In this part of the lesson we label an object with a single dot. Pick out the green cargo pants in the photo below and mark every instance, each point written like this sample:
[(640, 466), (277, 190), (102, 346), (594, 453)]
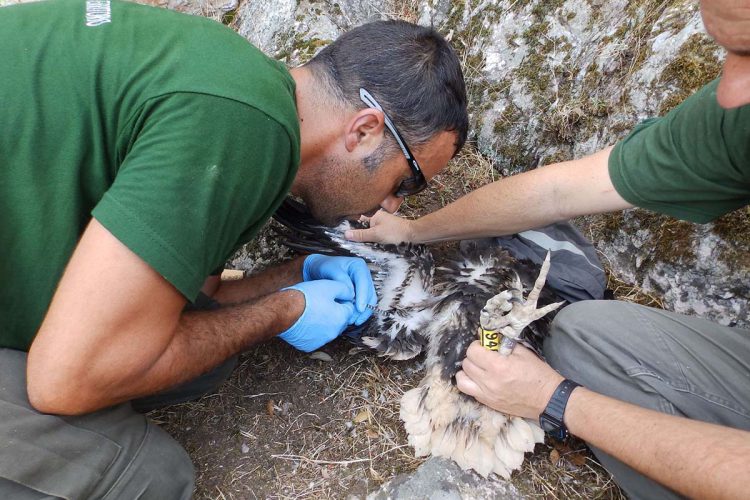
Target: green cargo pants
[(659, 360), (115, 453)]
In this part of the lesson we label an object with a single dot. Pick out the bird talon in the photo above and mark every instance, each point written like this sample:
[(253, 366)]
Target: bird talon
[(508, 311)]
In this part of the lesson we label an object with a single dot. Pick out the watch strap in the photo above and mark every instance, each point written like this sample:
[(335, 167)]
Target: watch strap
[(551, 418)]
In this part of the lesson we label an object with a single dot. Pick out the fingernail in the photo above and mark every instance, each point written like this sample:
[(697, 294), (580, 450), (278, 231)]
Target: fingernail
[(348, 234)]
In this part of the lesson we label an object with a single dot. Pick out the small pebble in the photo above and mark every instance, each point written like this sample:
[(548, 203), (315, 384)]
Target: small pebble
[(321, 356)]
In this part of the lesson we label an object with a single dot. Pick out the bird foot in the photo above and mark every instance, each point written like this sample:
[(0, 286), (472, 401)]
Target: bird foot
[(509, 313)]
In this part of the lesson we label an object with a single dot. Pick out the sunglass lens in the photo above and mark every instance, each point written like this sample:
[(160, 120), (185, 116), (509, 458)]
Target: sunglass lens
[(411, 186)]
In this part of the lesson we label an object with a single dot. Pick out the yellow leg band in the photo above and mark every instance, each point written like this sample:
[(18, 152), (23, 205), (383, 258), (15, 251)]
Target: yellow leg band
[(490, 339)]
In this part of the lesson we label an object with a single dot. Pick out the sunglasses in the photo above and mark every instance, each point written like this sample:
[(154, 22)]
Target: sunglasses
[(417, 182)]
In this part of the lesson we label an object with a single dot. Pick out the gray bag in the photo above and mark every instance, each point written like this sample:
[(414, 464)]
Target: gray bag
[(575, 272)]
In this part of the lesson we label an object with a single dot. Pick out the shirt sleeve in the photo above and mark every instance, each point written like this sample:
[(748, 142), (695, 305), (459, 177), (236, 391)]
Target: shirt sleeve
[(693, 163), (201, 176)]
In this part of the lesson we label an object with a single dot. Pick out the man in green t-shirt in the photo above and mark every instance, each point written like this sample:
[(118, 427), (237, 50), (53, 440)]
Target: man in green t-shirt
[(665, 398), (140, 148)]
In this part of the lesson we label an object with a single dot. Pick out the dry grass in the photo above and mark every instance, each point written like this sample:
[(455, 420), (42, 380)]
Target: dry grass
[(288, 426), (407, 10), (566, 471), (631, 293), (466, 172)]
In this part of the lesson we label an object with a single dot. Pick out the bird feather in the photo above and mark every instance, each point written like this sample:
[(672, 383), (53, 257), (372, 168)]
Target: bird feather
[(435, 310)]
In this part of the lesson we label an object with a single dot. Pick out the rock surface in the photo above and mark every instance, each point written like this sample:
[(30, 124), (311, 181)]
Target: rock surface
[(548, 80), (441, 479), (294, 30), (556, 80), (551, 80)]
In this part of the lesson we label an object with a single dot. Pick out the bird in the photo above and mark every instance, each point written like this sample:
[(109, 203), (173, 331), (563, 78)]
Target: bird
[(438, 310)]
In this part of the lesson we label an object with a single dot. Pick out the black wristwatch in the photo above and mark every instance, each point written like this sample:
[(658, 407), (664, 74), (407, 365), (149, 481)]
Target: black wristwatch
[(551, 419)]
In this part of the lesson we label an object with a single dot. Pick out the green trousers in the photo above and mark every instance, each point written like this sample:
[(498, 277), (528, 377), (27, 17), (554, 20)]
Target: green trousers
[(115, 453), (663, 361)]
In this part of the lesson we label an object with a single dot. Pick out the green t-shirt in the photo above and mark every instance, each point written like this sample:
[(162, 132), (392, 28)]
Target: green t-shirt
[(174, 132), (693, 163)]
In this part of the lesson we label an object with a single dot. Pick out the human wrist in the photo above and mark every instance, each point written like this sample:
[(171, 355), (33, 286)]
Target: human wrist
[(429, 229), (552, 418), (292, 308), (574, 417), (298, 264), (545, 394), (413, 231)]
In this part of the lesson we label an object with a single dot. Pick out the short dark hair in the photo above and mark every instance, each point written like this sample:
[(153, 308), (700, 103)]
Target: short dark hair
[(411, 71)]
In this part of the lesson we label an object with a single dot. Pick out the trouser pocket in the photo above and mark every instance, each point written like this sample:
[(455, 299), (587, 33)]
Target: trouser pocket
[(49, 455)]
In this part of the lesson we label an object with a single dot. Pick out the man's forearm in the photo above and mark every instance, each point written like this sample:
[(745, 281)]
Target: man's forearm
[(503, 207), (116, 329), (203, 340), (694, 458), (260, 284), (523, 201)]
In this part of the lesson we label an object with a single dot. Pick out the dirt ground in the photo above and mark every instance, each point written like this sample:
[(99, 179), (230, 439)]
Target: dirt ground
[(286, 425)]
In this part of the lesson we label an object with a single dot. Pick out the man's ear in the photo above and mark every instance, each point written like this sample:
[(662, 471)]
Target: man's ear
[(365, 128)]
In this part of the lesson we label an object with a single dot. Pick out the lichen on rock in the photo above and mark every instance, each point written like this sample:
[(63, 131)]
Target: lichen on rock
[(552, 80)]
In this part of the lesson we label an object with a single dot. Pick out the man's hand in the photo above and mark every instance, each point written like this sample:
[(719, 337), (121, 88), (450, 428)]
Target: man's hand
[(350, 271), (328, 311), (520, 384), (384, 228)]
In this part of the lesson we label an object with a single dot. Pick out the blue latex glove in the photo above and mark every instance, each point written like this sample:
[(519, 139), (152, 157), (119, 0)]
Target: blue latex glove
[(351, 271), (328, 311)]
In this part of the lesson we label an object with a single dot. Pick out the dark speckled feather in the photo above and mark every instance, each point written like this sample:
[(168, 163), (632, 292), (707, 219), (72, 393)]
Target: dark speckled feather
[(436, 310)]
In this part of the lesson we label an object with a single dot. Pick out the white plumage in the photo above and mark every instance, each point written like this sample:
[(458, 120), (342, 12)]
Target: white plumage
[(436, 310)]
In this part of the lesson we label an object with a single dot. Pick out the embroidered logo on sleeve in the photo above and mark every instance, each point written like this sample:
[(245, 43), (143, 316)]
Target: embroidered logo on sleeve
[(98, 12)]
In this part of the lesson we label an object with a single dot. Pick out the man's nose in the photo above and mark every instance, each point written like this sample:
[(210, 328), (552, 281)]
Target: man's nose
[(391, 203)]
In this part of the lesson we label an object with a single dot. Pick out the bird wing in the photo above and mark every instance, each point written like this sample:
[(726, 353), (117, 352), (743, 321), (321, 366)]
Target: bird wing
[(402, 275), (420, 306)]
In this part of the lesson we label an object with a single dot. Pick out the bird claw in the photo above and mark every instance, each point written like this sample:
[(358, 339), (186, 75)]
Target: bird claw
[(508, 312)]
